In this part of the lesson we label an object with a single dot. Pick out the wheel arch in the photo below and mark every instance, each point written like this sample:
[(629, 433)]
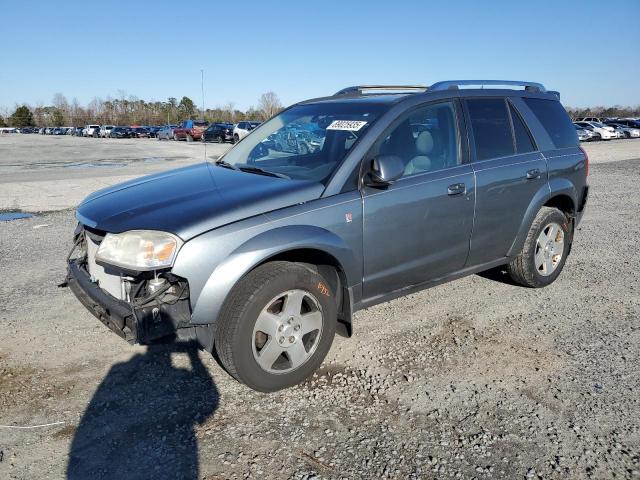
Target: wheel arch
[(312, 246), (559, 193)]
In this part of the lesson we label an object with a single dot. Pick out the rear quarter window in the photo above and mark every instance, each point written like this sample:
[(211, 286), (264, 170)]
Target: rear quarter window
[(555, 121)]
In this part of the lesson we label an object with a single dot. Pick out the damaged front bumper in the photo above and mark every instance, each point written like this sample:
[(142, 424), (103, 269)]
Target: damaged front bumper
[(143, 320)]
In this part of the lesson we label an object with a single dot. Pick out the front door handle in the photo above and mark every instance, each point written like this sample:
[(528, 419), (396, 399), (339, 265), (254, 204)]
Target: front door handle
[(456, 189), (533, 174)]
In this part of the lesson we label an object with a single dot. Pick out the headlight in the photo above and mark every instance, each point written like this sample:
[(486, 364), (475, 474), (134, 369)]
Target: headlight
[(139, 249)]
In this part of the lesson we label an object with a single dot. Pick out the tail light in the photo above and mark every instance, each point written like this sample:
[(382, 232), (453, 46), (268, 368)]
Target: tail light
[(586, 160)]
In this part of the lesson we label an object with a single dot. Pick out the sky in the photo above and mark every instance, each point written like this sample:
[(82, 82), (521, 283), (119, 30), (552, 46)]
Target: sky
[(588, 50)]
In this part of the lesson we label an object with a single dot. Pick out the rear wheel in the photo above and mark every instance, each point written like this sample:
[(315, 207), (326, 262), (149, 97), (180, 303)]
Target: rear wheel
[(175, 137), (545, 250), (220, 139), (277, 326), (189, 138), (236, 138)]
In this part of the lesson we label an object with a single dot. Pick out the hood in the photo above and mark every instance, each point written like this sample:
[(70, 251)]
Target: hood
[(192, 200)]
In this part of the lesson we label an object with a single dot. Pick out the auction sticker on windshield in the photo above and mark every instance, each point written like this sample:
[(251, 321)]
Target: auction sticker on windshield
[(349, 125)]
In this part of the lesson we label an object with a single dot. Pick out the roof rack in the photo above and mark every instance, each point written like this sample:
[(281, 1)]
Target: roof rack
[(455, 84), (361, 89)]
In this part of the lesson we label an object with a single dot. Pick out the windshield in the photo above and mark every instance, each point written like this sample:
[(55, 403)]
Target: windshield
[(305, 142)]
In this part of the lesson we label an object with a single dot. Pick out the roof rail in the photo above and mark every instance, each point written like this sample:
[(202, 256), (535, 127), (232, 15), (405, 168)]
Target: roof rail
[(455, 84), (361, 89)]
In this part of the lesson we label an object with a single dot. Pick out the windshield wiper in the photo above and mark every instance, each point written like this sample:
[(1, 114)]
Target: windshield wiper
[(222, 163), (261, 171)]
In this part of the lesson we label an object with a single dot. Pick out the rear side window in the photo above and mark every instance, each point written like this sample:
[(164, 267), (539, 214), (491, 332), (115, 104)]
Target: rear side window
[(555, 121), (521, 133), (491, 127)]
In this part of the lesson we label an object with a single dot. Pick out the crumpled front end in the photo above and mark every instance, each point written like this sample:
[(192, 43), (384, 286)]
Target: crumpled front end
[(140, 307)]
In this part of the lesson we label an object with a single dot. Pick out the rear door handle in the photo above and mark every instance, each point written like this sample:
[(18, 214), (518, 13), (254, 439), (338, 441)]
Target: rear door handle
[(532, 174), (456, 189)]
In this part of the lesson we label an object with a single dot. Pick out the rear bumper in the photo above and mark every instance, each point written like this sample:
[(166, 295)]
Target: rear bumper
[(583, 205), (134, 324)]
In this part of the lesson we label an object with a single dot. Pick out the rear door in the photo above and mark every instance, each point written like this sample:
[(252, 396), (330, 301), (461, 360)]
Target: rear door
[(510, 171), (418, 228)]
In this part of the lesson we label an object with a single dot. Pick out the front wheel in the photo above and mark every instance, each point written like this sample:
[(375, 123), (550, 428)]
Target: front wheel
[(545, 250), (277, 326)]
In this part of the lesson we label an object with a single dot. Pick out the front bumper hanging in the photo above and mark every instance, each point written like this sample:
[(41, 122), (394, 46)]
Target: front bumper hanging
[(135, 324)]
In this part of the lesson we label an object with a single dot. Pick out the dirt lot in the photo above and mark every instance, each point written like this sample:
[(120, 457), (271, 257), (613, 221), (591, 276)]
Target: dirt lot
[(476, 378)]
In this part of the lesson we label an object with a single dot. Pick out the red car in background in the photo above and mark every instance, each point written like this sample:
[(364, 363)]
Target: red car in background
[(190, 130)]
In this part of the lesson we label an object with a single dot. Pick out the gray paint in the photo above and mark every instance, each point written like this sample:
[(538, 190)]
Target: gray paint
[(388, 241)]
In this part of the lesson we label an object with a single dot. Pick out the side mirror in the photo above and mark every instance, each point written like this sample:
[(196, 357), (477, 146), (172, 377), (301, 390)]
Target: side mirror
[(385, 170)]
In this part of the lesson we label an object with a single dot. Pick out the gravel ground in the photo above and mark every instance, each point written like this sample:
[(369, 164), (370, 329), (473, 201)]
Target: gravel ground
[(475, 378)]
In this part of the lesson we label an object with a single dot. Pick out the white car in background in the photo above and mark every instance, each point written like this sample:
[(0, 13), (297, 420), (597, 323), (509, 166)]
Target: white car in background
[(242, 129), (89, 130), (628, 132), (600, 130), (105, 130), (589, 119)]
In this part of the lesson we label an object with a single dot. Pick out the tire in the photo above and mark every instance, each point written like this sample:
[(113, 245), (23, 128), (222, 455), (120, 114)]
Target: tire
[(240, 343), (236, 138), (543, 256), (220, 139), (189, 138), (175, 137)]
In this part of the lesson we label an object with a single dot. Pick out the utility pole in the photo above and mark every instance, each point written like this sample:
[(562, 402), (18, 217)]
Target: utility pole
[(202, 88)]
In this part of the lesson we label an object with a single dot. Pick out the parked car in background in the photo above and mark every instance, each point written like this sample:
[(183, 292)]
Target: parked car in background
[(629, 122), (617, 130), (218, 132), (165, 132), (139, 132), (89, 130), (589, 119), (629, 132), (153, 131), (242, 129), (601, 132), (119, 132), (190, 130), (584, 135), (105, 130)]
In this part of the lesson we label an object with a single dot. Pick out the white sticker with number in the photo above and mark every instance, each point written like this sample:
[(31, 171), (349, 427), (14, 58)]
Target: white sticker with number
[(349, 125)]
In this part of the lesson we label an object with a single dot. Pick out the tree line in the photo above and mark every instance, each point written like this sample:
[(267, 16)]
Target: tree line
[(130, 110)]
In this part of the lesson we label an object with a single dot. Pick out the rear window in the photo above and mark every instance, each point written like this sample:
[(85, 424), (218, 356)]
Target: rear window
[(555, 121), (491, 127)]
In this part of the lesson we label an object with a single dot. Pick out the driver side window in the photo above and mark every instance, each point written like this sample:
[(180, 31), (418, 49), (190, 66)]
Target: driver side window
[(426, 139)]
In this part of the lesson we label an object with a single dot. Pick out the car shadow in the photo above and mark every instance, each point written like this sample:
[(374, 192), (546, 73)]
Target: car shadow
[(499, 274), (141, 420)]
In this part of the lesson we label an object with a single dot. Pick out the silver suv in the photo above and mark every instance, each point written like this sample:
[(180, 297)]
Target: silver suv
[(262, 256)]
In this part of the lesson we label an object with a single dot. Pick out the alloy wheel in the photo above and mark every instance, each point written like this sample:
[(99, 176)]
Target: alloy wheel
[(287, 331)]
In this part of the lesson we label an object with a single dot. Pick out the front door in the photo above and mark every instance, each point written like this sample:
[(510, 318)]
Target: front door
[(418, 228)]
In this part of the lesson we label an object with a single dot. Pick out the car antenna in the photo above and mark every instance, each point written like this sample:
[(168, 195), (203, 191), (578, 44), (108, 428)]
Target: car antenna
[(204, 139)]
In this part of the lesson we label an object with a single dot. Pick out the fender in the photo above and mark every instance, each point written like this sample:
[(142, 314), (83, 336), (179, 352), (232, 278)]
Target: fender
[(555, 187), (260, 248), (537, 202)]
